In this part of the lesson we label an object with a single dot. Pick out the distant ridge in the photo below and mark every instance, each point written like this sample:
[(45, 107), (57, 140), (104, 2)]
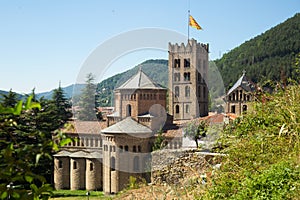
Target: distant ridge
[(68, 91)]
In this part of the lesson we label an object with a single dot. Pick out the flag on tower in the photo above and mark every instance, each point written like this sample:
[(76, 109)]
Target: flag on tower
[(194, 24)]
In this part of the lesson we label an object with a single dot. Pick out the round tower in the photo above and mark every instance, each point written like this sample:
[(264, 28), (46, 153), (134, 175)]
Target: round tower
[(78, 168), (62, 170), (94, 171)]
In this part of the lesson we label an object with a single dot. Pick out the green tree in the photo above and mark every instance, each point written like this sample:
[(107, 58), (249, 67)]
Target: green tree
[(62, 106), (159, 141), (87, 110), (9, 99), (195, 131), (23, 146)]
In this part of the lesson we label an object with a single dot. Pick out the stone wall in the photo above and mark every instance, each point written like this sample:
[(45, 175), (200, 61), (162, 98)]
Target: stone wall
[(171, 166)]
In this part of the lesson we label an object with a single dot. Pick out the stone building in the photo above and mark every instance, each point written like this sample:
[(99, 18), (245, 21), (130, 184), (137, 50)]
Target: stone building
[(126, 152), (188, 68), (239, 96), (142, 99), (104, 155)]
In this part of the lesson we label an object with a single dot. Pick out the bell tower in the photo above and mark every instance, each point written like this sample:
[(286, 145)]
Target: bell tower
[(188, 68)]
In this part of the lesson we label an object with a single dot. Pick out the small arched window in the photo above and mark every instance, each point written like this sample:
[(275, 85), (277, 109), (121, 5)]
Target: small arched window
[(187, 91), (176, 91), (60, 164), (245, 108), (74, 165), (177, 109), (128, 110)]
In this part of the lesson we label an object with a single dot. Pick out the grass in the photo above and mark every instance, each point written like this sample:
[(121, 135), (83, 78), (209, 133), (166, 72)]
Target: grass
[(77, 195)]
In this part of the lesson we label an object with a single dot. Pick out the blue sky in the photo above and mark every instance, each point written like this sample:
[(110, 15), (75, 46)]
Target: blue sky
[(44, 42)]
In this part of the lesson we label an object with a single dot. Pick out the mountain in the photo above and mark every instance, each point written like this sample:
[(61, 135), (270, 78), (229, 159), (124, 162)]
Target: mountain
[(68, 91), (157, 70), (269, 56)]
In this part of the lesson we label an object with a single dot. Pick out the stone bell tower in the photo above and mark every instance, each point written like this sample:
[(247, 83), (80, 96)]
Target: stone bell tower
[(188, 69)]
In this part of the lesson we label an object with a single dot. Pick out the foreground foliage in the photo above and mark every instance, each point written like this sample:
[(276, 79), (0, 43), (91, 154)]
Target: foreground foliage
[(26, 143), (263, 152)]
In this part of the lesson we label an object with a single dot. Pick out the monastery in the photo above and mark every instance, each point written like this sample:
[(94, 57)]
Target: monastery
[(104, 156)]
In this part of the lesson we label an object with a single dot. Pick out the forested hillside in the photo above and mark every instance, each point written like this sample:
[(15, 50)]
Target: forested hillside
[(269, 56)]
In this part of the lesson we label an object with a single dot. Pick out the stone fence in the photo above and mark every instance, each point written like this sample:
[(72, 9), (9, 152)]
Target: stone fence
[(172, 166)]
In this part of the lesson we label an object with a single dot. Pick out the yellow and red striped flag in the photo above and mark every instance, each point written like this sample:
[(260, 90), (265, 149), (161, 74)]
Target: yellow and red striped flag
[(194, 24)]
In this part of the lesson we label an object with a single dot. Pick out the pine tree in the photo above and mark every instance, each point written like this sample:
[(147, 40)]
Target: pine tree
[(87, 110), (61, 106), (9, 99)]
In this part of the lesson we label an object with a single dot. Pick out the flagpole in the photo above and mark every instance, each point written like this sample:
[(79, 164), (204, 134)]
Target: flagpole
[(188, 25)]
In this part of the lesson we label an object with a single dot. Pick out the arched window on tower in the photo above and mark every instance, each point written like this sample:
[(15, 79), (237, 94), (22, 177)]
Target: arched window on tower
[(187, 91), (177, 63), (187, 76), (187, 63), (176, 91), (187, 108), (128, 110)]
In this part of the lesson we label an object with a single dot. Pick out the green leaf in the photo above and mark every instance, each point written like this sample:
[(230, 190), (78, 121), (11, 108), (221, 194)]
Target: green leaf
[(4, 195), (15, 195), (65, 141), (28, 102), (18, 108), (28, 178), (35, 105), (34, 187), (37, 158)]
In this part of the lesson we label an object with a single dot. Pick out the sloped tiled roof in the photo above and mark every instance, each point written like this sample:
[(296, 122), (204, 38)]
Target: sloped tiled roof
[(242, 82), (140, 81), (127, 125), (84, 127)]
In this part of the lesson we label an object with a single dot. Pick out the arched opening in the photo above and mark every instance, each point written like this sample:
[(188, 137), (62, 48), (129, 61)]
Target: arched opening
[(113, 163), (128, 110), (60, 164), (245, 108), (187, 108), (176, 91), (91, 166), (177, 109), (187, 91), (74, 165), (233, 109)]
